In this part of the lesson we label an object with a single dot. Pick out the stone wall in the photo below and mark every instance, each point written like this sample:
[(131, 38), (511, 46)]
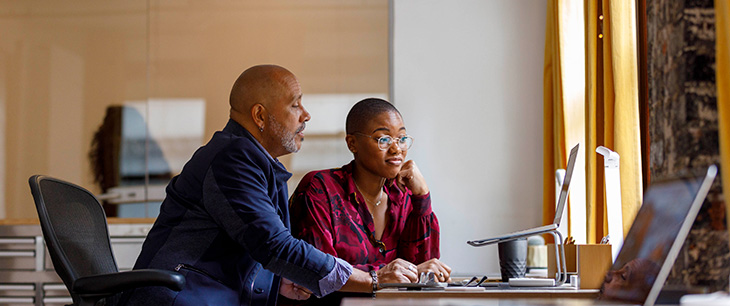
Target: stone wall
[(683, 127)]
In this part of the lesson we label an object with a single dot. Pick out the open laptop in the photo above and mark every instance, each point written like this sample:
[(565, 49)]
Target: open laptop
[(646, 257), (655, 239), (562, 200), (651, 245)]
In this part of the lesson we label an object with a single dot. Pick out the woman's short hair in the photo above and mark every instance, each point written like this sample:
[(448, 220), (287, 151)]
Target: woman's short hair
[(364, 111)]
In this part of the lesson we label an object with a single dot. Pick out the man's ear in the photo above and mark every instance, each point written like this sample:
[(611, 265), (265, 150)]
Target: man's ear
[(350, 140), (259, 114)]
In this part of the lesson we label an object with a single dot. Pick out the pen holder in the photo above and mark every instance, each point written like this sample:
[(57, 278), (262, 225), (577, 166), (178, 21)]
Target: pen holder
[(589, 261), (512, 258)]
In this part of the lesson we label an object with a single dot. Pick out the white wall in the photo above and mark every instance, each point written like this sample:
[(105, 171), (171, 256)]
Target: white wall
[(467, 76)]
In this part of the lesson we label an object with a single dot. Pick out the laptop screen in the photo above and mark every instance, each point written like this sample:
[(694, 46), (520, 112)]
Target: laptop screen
[(653, 242), (566, 184)]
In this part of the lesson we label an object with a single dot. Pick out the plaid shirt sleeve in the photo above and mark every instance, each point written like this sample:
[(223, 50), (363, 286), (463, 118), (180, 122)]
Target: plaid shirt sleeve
[(419, 240)]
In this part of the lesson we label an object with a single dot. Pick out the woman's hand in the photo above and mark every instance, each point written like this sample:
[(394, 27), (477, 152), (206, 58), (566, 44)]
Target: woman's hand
[(398, 271), (409, 176), (440, 269)]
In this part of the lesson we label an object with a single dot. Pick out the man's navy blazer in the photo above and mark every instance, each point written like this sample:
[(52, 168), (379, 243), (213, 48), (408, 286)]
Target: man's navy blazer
[(225, 225)]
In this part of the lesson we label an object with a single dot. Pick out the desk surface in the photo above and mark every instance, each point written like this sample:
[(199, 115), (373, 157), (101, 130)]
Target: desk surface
[(476, 302), (461, 302), (494, 293)]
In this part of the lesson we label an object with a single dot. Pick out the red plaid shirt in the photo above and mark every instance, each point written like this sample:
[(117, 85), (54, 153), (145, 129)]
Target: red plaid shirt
[(328, 212)]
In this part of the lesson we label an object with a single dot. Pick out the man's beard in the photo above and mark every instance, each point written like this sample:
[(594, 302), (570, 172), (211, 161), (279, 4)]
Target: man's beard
[(288, 139)]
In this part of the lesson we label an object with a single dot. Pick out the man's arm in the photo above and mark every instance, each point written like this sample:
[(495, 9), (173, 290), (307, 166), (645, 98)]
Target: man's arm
[(359, 281), (236, 196), (397, 271)]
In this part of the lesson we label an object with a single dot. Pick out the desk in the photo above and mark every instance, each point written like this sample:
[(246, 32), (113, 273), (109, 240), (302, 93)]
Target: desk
[(494, 297), (474, 302), (490, 293), (458, 302)]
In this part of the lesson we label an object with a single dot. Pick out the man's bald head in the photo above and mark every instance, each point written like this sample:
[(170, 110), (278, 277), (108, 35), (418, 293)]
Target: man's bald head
[(262, 84), (266, 100)]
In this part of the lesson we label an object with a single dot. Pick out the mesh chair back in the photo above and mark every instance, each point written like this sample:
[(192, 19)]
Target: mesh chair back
[(74, 228)]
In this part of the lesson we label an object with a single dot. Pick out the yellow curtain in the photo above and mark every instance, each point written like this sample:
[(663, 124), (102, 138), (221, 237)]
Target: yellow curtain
[(564, 113), (608, 109), (595, 114), (553, 144), (615, 104), (722, 47)]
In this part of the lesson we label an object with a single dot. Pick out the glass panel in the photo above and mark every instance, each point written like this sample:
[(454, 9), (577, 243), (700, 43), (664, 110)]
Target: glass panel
[(168, 140), (337, 49), (62, 64), (116, 95)]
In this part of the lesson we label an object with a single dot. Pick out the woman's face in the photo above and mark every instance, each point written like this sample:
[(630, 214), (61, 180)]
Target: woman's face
[(385, 163)]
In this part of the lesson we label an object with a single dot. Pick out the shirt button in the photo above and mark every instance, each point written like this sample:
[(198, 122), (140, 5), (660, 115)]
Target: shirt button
[(258, 291)]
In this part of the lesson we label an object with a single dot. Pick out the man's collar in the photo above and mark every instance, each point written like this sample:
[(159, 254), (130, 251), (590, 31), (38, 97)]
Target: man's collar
[(235, 128)]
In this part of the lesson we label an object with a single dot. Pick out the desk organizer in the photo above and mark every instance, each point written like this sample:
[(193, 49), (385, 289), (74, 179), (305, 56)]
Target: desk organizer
[(589, 262)]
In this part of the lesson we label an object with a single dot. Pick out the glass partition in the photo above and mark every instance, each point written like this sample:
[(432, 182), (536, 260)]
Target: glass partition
[(116, 95)]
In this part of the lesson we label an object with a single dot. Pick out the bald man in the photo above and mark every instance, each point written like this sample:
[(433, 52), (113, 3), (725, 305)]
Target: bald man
[(225, 222)]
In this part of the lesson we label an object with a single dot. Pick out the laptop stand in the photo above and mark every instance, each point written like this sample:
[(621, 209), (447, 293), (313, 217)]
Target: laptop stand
[(562, 274)]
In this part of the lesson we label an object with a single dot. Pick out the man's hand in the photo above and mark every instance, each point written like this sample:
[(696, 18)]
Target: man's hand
[(293, 291), (440, 269), (409, 176), (398, 271)]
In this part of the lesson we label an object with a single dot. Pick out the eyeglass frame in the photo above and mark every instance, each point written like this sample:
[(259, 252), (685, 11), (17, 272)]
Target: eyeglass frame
[(387, 145)]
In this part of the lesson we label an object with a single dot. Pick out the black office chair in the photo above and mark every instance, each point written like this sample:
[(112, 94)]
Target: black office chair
[(75, 230)]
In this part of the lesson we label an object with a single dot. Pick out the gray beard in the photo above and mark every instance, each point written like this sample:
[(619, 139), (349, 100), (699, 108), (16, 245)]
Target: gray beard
[(288, 139)]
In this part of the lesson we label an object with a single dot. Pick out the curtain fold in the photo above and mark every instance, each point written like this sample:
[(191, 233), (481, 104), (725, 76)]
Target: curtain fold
[(595, 125), (722, 46), (553, 143), (598, 108), (564, 102), (621, 100)]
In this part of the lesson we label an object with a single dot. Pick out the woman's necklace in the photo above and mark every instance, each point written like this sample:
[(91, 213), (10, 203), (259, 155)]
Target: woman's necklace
[(379, 197)]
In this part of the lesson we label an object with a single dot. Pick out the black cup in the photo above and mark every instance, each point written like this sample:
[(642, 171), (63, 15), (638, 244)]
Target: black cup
[(512, 258)]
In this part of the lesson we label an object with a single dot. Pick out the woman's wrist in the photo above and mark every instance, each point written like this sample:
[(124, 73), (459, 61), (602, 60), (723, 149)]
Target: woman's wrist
[(420, 191), (374, 276)]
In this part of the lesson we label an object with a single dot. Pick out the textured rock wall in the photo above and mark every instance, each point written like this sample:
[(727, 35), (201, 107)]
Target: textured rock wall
[(683, 127)]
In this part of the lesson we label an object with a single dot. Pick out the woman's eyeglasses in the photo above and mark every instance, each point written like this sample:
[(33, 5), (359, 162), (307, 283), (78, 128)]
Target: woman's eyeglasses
[(384, 142)]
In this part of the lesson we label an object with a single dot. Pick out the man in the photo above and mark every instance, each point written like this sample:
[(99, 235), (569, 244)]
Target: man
[(225, 222)]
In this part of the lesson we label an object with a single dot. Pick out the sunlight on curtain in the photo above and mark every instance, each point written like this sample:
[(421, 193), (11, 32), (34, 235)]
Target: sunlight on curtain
[(722, 45), (623, 76), (564, 105), (591, 97), (552, 120), (613, 108), (595, 124)]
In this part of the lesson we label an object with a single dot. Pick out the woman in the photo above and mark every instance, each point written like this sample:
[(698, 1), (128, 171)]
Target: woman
[(374, 212)]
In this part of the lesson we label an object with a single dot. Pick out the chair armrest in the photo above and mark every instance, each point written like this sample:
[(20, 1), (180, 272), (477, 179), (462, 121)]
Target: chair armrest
[(118, 282)]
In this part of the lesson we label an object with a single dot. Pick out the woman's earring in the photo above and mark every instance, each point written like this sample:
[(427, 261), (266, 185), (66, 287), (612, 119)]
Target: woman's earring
[(261, 128)]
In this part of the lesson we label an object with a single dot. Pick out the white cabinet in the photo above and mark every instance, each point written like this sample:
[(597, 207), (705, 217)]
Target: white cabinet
[(26, 271)]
